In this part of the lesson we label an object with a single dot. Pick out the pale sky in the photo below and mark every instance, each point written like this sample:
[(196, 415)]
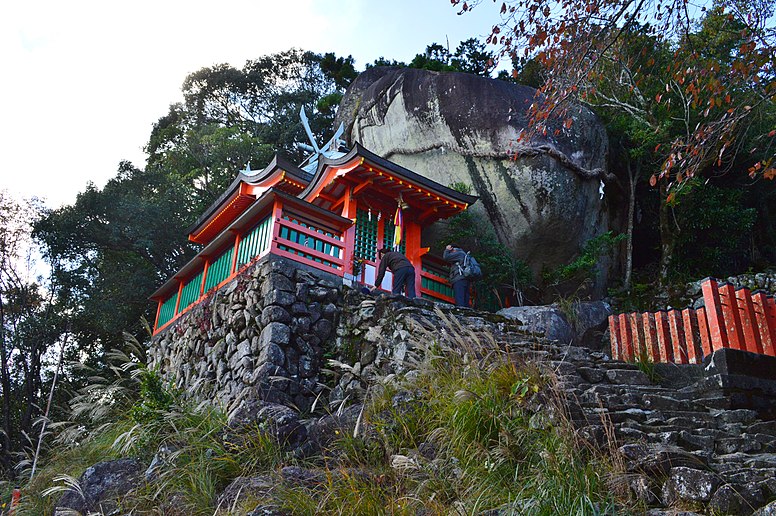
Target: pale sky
[(85, 80)]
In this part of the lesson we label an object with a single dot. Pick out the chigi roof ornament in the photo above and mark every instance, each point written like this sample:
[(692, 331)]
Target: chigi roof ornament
[(329, 150)]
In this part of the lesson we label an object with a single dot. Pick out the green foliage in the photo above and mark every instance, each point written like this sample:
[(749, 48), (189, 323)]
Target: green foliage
[(716, 231), (155, 398), (646, 365), (583, 267)]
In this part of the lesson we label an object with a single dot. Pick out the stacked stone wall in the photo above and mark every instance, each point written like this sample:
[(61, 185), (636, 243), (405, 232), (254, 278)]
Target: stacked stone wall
[(259, 336)]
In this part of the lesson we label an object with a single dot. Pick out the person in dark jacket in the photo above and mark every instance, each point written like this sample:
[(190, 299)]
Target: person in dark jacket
[(455, 255), (402, 269)]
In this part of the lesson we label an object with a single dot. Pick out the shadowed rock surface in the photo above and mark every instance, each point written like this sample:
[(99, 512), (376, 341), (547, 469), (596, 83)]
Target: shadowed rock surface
[(541, 197)]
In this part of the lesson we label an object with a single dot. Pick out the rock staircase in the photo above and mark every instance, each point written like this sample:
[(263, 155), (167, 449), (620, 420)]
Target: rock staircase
[(678, 431)]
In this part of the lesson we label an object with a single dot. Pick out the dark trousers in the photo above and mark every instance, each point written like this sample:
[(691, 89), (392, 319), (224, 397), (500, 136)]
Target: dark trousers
[(404, 277), (461, 292)]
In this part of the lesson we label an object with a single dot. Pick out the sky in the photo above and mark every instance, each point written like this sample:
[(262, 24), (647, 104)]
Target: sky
[(84, 80)]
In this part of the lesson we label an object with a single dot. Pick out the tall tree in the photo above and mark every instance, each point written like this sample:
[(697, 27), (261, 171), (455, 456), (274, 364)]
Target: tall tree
[(20, 299), (573, 37)]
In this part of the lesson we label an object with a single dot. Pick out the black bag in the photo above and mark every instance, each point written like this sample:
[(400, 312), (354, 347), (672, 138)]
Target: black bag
[(471, 269)]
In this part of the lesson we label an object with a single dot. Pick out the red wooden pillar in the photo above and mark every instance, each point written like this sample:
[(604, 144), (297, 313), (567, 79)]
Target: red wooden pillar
[(277, 215), (677, 336), (727, 299), (714, 317), (178, 299), (650, 336), (703, 329), (204, 277), (752, 340), (614, 336), (158, 311), (765, 326), (233, 266), (349, 210), (626, 339), (664, 337), (691, 336), (414, 252)]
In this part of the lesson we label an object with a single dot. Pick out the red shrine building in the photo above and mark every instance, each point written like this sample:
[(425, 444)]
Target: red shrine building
[(332, 213)]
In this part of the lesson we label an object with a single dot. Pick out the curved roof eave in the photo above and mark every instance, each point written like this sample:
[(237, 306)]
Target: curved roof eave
[(409, 175), (277, 163)]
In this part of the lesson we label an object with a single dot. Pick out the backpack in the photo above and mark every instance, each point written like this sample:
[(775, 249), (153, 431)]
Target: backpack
[(470, 269)]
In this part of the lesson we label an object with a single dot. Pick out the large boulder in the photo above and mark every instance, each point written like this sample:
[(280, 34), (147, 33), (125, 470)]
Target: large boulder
[(542, 197), (583, 325), (101, 486)]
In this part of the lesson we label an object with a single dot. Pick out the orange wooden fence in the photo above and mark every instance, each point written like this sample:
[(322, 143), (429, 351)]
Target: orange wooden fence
[(730, 318)]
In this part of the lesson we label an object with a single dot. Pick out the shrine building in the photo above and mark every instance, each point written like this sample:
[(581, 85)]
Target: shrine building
[(332, 213)]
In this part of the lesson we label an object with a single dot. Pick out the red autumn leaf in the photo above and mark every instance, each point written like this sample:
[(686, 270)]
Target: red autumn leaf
[(772, 133), (503, 8), (653, 180)]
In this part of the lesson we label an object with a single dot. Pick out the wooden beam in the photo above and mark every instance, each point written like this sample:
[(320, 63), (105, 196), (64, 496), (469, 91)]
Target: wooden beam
[(327, 197), (361, 186)]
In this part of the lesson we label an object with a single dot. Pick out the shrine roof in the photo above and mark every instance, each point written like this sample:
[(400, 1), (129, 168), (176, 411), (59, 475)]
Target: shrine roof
[(277, 165), (359, 150)]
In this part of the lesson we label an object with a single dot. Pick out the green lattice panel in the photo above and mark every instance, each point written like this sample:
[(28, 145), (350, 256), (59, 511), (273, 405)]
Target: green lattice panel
[(167, 311), (255, 242), (219, 270), (435, 286), (190, 292), (366, 236), (388, 237)]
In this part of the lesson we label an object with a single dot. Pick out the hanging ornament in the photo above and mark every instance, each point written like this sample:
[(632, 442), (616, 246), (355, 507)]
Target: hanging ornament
[(369, 214), (379, 216)]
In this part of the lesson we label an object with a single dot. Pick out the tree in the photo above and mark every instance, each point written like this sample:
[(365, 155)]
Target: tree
[(683, 94), (22, 341), (471, 56), (112, 247), (573, 37)]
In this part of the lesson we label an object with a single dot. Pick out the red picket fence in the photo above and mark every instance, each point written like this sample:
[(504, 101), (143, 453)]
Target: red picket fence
[(736, 319)]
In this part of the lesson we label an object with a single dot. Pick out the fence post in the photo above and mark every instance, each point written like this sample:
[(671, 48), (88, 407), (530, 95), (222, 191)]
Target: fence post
[(650, 336), (727, 299), (765, 322), (614, 336), (716, 322), (703, 329), (752, 341), (626, 339), (691, 336), (677, 336), (15, 499), (638, 342), (664, 337)]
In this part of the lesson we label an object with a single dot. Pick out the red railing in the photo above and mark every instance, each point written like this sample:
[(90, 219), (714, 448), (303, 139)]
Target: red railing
[(292, 229), (730, 318)]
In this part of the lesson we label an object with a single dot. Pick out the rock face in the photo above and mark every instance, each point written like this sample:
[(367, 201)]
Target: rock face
[(455, 127)]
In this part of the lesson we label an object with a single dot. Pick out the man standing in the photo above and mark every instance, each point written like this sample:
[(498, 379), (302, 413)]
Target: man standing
[(402, 269), (456, 256)]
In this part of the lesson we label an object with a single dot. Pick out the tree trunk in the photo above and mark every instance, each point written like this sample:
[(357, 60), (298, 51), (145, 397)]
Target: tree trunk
[(667, 235), (6, 384), (633, 175)]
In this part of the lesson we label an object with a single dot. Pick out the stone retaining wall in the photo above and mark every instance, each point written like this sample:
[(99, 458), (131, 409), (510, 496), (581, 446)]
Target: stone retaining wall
[(260, 336)]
